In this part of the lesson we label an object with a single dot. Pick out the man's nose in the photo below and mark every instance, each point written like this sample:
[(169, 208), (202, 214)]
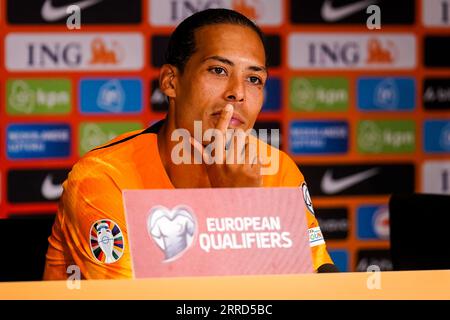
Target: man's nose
[(235, 91)]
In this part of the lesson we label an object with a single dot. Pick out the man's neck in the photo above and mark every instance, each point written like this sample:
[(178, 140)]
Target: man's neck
[(181, 175)]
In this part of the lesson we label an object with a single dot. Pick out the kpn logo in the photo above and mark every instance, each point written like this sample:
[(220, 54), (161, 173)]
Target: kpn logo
[(319, 94), (94, 134), (38, 96), (386, 136)]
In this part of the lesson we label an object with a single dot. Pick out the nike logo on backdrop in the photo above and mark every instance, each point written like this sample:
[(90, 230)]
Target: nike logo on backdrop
[(51, 13), (49, 190), (332, 14), (330, 185)]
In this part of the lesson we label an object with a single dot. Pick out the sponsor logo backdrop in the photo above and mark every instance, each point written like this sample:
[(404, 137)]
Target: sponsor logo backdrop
[(363, 113)]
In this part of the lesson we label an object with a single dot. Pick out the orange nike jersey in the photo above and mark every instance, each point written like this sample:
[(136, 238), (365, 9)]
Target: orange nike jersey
[(93, 192)]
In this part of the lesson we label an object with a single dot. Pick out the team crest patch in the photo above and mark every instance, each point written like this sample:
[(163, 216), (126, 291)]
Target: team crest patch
[(307, 198), (106, 241)]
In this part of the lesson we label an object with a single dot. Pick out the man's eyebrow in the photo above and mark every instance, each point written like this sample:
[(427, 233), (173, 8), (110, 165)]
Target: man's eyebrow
[(221, 59), (231, 63), (258, 69)]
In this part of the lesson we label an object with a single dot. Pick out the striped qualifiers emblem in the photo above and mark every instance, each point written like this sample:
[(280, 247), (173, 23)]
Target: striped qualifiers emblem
[(106, 241)]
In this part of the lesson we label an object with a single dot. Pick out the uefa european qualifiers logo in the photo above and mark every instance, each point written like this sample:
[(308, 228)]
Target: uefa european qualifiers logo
[(172, 230), (175, 230)]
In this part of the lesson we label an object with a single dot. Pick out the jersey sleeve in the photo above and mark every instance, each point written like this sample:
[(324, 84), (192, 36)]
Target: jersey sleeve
[(89, 231), (292, 177)]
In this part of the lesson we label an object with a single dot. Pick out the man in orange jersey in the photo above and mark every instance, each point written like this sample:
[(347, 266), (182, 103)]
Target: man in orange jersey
[(214, 76)]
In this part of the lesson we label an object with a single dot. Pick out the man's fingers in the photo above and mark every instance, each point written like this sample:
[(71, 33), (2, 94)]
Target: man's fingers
[(253, 153), (225, 117), (231, 151), (199, 151), (197, 145)]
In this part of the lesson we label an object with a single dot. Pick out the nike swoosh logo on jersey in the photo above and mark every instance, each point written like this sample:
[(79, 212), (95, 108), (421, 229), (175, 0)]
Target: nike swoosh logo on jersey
[(332, 14), (330, 185), (51, 13), (49, 190)]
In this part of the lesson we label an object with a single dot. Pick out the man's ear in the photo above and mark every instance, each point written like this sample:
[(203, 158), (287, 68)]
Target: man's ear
[(167, 80)]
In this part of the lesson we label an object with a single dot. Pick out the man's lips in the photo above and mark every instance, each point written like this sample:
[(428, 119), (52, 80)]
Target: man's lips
[(235, 122), (236, 119)]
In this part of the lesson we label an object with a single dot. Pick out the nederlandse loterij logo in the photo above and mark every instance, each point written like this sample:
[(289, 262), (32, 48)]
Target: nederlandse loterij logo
[(38, 96), (173, 230), (38, 140), (318, 137), (94, 134)]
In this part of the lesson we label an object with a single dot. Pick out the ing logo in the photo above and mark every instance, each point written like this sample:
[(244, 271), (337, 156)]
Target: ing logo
[(101, 54), (377, 53)]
